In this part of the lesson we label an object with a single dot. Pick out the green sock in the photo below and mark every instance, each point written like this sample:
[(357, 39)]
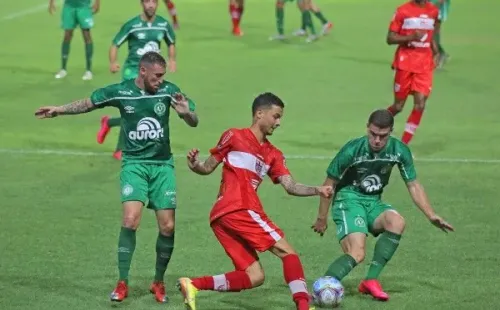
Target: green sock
[(126, 247), (341, 267), (303, 23), (89, 51), (385, 247), (306, 17), (64, 54), (120, 144), (114, 121), (280, 15), (164, 249), (321, 17)]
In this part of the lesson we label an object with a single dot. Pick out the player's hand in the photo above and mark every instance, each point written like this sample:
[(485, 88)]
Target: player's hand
[(95, 8), (172, 66), (418, 35), (324, 191), (320, 226), (192, 157), (436, 59), (114, 67), (52, 8), (180, 103), (437, 221), (47, 112)]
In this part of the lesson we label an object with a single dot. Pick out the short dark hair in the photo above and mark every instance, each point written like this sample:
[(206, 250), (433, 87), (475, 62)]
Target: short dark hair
[(381, 118), (266, 100), (153, 58)]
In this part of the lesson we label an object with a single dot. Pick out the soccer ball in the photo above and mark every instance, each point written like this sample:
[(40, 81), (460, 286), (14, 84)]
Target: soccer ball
[(328, 292)]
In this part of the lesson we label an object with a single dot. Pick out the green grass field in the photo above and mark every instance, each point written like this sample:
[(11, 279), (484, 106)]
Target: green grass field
[(60, 213)]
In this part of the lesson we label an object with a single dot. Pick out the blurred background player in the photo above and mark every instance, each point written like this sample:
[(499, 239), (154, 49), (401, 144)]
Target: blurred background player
[(236, 11), (173, 13), (76, 13), (147, 176), (305, 7), (444, 7), (144, 33), (358, 174), (412, 29), (326, 24), (238, 219)]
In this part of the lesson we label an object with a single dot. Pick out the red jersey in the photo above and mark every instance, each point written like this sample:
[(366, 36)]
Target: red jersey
[(246, 163), (417, 55)]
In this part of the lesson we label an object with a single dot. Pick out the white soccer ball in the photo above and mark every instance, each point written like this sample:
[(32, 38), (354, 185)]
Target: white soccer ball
[(328, 292)]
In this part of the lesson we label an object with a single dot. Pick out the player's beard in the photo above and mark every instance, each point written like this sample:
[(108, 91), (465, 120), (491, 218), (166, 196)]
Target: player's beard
[(150, 13)]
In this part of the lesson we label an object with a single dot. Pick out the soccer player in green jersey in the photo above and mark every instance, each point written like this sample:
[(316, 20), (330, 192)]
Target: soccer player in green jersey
[(147, 174), (143, 33), (76, 13), (305, 7), (444, 7), (358, 173)]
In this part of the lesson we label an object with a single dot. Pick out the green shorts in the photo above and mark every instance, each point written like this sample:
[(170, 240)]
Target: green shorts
[(76, 16), (152, 184), (130, 73), (357, 215)]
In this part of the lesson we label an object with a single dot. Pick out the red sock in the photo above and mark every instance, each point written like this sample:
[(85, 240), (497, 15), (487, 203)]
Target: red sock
[(392, 110), (235, 15), (294, 277), (411, 125), (172, 11), (233, 281)]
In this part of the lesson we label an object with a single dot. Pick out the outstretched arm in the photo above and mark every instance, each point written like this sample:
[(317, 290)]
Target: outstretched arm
[(297, 189), (321, 223), (76, 107), (420, 198), (205, 167)]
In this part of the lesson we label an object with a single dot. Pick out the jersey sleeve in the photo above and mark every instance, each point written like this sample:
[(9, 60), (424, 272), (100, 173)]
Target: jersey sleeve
[(339, 164), (396, 22), (122, 35), (223, 146), (169, 34), (104, 97), (406, 167), (278, 167)]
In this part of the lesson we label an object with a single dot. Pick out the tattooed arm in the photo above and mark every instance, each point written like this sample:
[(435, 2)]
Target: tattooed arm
[(201, 167), (76, 107), (297, 189)]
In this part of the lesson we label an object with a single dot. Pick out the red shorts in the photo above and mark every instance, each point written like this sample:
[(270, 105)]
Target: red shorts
[(406, 83), (242, 233)]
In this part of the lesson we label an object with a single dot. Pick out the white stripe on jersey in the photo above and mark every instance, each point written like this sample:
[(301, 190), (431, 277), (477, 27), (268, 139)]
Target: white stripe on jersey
[(422, 23), (248, 162)]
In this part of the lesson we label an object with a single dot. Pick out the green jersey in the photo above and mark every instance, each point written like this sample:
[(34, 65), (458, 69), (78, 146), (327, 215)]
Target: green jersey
[(77, 3), (145, 118), (144, 37), (359, 170)]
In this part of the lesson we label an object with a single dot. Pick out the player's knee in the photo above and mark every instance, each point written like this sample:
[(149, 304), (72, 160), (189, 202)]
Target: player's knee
[(394, 222), (282, 248), (358, 254), (256, 274), (131, 221), (280, 4), (167, 228), (68, 35)]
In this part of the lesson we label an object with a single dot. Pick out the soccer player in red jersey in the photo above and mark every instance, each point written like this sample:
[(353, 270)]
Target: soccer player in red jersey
[(238, 219), (412, 29), (236, 11), (173, 13)]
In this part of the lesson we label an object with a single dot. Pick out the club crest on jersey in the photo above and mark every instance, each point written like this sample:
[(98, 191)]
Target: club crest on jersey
[(160, 37), (160, 108)]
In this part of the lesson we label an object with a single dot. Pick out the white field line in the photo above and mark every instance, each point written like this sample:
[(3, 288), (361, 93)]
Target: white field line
[(31, 10), (296, 157)]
